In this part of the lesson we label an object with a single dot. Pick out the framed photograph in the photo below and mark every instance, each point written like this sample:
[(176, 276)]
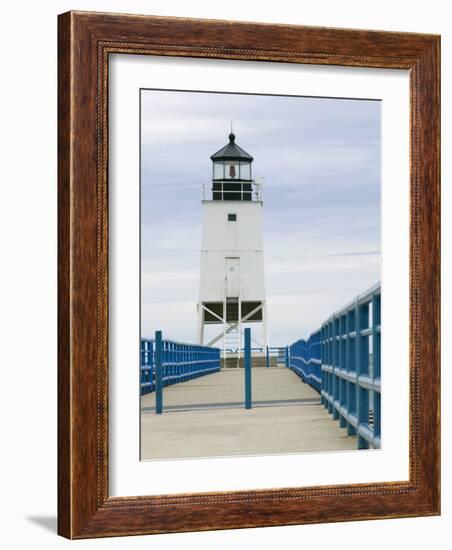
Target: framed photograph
[(248, 275)]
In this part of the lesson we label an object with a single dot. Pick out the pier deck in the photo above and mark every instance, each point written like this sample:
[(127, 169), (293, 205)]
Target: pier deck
[(205, 417)]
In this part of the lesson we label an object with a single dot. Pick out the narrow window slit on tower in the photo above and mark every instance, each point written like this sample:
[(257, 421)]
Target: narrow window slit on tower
[(232, 217)]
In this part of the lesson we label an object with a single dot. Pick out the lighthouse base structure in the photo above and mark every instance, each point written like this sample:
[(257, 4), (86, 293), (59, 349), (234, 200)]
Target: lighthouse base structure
[(231, 315)]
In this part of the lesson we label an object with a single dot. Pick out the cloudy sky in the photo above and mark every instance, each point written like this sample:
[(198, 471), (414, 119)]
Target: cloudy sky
[(320, 163)]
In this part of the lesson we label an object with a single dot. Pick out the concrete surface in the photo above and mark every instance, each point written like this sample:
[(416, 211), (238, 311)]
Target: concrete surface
[(228, 386), (205, 418)]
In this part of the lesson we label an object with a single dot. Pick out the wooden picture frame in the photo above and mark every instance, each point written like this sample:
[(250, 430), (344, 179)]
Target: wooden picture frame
[(86, 40)]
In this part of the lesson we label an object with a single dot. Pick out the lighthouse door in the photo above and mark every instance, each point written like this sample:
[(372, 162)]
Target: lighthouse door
[(232, 277)]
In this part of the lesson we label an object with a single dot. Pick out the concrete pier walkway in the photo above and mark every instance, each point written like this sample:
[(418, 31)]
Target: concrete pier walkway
[(205, 417)]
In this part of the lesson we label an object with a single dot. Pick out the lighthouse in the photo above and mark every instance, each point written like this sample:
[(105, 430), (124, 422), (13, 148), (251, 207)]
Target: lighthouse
[(232, 289)]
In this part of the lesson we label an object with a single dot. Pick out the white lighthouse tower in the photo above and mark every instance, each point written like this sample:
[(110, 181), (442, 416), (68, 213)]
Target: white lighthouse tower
[(232, 290)]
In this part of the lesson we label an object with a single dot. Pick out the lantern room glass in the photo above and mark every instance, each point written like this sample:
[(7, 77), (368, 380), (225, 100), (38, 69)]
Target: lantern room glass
[(231, 170), (245, 170), (218, 170)]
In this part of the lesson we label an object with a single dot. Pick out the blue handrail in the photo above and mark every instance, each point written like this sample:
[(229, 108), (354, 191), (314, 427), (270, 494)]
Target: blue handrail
[(179, 362), (304, 360), (341, 361)]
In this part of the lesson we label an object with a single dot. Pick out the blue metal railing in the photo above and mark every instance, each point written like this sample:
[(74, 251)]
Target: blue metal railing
[(279, 354), (304, 360), (179, 362), (342, 361)]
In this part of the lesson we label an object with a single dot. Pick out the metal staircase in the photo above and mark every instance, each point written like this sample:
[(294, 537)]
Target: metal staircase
[(232, 330)]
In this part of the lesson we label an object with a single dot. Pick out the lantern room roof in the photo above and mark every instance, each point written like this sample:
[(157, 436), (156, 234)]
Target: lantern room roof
[(231, 151)]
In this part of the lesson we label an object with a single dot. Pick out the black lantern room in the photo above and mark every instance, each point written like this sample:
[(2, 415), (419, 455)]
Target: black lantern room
[(231, 178)]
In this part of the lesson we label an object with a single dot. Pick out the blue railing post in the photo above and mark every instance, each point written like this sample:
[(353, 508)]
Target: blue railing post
[(322, 362), (158, 373), (376, 360), (361, 321), (351, 371), (248, 402), (267, 358), (287, 356), (342, 368), (330, 367), (334, 366)]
